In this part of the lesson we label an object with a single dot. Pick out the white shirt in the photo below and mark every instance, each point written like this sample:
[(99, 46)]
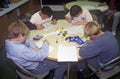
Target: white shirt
[(36, 19), (85, 16)]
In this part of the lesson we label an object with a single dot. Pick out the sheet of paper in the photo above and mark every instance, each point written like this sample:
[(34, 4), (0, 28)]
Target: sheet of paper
[(75, 29), (39, 44), (52, 33), (47, 26), (51, 48), (67, 54)]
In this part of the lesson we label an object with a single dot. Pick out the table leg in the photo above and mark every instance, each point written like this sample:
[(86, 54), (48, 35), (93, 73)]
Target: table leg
[(68, 70)]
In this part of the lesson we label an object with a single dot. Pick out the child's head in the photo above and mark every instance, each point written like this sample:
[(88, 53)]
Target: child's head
[(17, 28), (46, 12), (92, 28), (75, 10)]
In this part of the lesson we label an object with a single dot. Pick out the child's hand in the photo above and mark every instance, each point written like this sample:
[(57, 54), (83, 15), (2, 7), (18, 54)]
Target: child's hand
[(40, 27), (36, 48), (54, 21), (76, 23), (69, 20), (88, 41), (45, 41)]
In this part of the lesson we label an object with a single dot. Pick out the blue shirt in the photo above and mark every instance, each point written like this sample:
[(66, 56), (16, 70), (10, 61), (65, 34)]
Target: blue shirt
[(23, 53), (105, 47)]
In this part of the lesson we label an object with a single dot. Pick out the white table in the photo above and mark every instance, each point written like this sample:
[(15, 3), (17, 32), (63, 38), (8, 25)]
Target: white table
[(52, 37)]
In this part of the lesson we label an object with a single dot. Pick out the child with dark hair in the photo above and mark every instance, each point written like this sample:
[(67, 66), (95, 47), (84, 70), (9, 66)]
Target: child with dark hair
[(78, 16), (47, 11), (75, 10), (41, 17)]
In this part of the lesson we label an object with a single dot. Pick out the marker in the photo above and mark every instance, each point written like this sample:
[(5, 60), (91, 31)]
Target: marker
[(56, 41)]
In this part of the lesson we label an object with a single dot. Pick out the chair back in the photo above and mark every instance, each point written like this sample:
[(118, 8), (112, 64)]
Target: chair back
[(23, 70), (106, 74), (24, 73), (113, 62)]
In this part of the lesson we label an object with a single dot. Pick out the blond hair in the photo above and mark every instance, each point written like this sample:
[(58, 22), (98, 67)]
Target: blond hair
[(92, 28), (16, 28)]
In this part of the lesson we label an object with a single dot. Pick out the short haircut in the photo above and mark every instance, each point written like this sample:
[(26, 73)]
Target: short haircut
[(74, 10), (16, 28), (92, 28), (47, 11)]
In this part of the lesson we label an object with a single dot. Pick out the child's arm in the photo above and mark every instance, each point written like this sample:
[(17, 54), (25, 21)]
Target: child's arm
[(79, 23), (54, 21), (40, 27), (69, 20), (88, 41)]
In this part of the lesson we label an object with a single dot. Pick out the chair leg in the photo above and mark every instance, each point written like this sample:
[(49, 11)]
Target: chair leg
[(80, 74), (17, 77)]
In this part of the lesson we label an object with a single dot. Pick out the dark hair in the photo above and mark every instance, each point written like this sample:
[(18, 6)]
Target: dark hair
[(74, 10), (47, 11)]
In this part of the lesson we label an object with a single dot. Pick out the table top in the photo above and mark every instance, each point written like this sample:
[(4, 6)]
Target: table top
[(90, 5), (52, 36)]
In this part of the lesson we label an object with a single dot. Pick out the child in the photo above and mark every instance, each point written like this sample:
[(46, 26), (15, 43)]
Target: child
[(78, 16), (43, 16), (102, 46), (24, 51)]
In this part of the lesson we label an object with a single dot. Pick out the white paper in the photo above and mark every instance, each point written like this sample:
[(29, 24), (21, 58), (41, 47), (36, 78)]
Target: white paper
[(67, 54), (40, 43), (75, 29), (49, 34), (51, 48), (47, 26)]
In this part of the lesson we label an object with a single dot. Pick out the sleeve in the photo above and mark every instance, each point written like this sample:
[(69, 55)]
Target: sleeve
[(90, 50), (51, 18), (88, 16), (40, 55), (32, 19), (68, 15), (30, 43)]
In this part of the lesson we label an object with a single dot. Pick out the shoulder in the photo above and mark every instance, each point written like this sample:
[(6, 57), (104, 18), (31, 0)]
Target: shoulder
[(36, 14), (108, 33), (85, 11), (68, 13)]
